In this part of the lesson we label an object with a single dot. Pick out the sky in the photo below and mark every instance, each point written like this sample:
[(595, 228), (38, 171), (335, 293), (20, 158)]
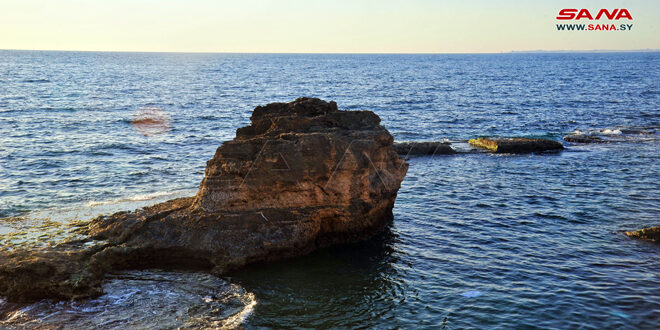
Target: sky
[(313, 26)]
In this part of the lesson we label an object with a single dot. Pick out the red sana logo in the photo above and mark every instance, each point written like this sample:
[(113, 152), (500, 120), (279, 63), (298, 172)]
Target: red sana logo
[(615, 14)]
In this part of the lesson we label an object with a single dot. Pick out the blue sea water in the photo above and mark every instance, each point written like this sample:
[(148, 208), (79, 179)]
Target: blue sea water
[(478, 240)]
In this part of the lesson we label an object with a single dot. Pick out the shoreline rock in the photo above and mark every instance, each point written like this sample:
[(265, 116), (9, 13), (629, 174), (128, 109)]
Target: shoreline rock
[(516, 145), (423, 148), (649, 234), (583, 138), (303, 175)]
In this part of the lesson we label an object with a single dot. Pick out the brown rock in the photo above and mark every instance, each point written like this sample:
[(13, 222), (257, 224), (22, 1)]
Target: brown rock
[(32, 275), (303, 175), (651, 234), (516, 145), (408, 149), (583, 138)]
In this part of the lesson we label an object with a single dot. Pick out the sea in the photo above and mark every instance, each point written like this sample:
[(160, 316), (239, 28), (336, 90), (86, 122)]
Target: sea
[(478, 240)]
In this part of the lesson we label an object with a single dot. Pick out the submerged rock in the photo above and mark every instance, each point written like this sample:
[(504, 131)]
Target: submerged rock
[(651, 234), (516, 145), (583, 138), (615, 135), (303, 175), (423, 148)]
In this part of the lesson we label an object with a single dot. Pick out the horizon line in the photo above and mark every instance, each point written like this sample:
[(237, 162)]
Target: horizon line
[(646, 50)]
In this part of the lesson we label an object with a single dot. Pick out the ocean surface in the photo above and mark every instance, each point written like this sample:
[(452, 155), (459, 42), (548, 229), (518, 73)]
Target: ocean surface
[(478, 240)]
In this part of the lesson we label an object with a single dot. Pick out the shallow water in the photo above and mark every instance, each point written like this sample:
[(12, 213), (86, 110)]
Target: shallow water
[(478, 240)]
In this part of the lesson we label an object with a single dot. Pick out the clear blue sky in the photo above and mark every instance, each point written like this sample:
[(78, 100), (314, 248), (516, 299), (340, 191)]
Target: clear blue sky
[(336, 26)]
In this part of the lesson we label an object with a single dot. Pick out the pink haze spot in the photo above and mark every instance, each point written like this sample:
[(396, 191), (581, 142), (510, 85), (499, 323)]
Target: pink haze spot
[(150, 121)]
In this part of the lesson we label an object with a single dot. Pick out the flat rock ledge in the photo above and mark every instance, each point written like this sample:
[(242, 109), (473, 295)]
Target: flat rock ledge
[(408, 149), (583, 138), (650, 234), (303, 175), (516, 145)]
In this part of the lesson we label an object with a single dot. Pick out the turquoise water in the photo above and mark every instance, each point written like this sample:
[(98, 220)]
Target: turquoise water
[(478, 240)]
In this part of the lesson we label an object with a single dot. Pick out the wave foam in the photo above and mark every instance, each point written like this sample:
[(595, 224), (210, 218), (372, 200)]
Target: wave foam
[(611, 131), (135, 198), (237, 319)]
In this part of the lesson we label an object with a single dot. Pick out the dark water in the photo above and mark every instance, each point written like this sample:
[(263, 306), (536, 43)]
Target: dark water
[(478, 241)]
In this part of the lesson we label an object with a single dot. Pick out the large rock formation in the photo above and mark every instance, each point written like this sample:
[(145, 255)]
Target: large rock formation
[(303, 175)]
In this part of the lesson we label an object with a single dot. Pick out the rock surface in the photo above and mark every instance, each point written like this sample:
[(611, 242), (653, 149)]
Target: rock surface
[(423, 148), (651, 234), (303, 175), (516, 145), (583, 138)]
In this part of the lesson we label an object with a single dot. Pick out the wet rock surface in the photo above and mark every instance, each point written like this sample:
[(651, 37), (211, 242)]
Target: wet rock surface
[(409, 149), (303, 175), (583, 138), (650, 234), (516, 145)]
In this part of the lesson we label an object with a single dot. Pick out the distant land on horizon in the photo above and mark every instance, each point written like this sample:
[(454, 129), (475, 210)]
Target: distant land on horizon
[(648, 50)]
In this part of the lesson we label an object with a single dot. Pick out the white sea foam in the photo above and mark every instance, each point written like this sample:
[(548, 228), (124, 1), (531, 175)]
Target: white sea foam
[(95, 203), (237, 319), (139, 197), (145, 197), (611, 132)]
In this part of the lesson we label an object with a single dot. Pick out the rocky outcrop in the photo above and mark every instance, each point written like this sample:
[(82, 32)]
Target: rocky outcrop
[(583, 138), (303, 175), (409, 149), (650, 234), (516, 145), (28, 275)]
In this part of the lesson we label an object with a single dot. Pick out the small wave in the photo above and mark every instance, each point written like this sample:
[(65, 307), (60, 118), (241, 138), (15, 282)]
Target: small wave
[(101, 153), (112, 146), (550, 216), (36, 80), (136, 198), (62, 109), (145, 197), (240, 317)]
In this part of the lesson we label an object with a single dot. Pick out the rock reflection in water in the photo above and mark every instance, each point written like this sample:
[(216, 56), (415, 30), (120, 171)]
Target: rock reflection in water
[(355, 285)]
